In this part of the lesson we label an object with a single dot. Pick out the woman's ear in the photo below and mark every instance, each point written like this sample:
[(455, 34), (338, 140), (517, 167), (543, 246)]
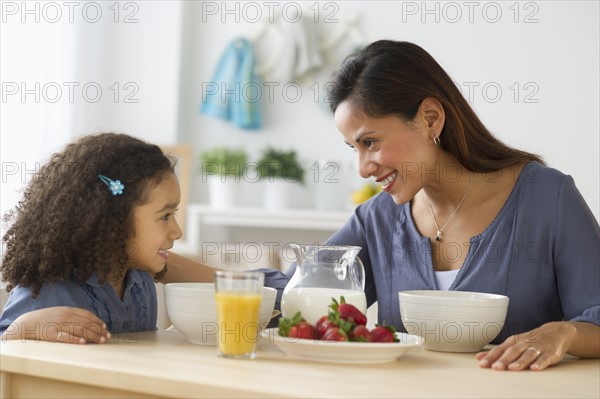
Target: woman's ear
[(432, 112)]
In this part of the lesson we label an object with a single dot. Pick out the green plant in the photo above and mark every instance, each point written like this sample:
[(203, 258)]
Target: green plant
[(223, 161), (276, 163)]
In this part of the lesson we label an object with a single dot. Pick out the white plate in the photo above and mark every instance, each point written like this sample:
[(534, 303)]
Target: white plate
[(342, 352)]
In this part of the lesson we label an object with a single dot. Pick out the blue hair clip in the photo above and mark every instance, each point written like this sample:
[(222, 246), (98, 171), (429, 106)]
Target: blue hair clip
[(113, 185)]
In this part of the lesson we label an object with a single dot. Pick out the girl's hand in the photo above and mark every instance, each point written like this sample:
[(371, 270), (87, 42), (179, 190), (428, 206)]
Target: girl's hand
[(536, 349), (59, 324)]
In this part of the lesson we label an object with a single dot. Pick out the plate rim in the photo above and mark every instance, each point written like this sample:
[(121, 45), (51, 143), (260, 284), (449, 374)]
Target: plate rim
[(382, 352), (272, 333)]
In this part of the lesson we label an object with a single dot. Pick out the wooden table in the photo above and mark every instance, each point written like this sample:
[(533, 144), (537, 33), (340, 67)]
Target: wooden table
[(163, 364)]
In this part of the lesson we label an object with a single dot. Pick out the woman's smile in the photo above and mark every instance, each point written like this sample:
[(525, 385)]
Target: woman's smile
[(387, 181)]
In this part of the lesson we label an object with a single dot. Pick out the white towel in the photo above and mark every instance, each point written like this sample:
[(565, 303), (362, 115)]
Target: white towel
[(308, 57), (289, 50)]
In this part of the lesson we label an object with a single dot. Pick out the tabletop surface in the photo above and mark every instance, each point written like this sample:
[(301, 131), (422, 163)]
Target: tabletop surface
[(162, 363)]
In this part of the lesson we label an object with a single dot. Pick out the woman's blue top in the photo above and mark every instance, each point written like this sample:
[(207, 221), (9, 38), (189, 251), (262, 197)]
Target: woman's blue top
[(542, 251)]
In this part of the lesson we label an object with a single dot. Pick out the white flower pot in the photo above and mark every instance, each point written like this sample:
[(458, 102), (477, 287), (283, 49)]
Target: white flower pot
[(223, 192), (278, 193)]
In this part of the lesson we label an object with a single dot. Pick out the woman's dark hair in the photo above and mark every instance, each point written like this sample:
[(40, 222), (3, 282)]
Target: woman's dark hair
[(393, 78), (69, 224)]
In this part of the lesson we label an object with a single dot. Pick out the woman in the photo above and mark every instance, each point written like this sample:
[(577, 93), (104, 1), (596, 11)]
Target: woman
[(462, 211)]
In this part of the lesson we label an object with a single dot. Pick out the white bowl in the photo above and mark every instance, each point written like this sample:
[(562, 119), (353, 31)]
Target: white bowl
[(453, 321), (192, 309)]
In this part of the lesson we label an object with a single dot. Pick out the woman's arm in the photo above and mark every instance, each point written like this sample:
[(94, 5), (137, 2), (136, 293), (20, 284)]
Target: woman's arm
[(577, 270), (181, 269), (586, 342), (544, 346)]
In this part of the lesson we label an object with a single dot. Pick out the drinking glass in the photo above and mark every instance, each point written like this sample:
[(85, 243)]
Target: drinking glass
[(238, 296)]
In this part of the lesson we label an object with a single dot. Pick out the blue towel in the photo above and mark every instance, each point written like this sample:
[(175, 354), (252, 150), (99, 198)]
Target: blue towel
[(235, 91)]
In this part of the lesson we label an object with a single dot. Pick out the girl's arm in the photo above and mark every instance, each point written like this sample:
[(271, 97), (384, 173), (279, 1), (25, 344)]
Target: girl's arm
[(60, 324), (181, 269)]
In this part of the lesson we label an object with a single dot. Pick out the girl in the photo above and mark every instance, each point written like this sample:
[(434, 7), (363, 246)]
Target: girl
[(89, 239)]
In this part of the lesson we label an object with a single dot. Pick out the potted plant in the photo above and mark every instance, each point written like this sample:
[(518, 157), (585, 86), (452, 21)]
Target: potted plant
[(280, 171), (222, 168)]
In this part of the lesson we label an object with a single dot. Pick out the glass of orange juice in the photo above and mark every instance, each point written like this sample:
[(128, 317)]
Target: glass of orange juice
[(238, 296)]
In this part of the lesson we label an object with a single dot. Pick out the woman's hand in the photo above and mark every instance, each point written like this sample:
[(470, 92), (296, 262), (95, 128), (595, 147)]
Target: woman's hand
[(542, 347), (59, 324)]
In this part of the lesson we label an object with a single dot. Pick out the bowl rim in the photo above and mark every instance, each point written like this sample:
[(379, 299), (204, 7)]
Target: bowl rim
[(455, 295), (191, 285)]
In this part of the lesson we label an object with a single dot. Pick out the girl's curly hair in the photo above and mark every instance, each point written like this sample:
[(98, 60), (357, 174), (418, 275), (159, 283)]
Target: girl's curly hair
[(69, 224)]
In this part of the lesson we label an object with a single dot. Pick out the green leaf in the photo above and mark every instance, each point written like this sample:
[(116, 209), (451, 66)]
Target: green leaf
[(224, 161), (345, 326), (283, 164), (286, 324)]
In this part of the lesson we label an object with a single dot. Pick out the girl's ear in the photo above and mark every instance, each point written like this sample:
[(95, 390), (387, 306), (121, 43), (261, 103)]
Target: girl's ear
[(432, 111)]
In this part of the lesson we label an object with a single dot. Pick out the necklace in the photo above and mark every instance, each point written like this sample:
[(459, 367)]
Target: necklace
[(438, 236)]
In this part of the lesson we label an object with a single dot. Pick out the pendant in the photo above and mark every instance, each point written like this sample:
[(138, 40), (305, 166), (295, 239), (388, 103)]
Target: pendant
[(438, 236)]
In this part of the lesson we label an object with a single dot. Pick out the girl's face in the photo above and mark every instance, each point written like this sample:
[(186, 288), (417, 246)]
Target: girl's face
[(397, 154), (155, 227)]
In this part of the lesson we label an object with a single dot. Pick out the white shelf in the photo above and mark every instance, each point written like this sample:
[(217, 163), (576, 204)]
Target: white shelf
[(260, 217), (199, 215)]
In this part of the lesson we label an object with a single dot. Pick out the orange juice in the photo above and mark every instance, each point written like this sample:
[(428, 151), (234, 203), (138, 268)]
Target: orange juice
[(238, 317)]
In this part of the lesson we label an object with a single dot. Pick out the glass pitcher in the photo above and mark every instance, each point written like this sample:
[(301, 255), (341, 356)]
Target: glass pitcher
[(324, 272)]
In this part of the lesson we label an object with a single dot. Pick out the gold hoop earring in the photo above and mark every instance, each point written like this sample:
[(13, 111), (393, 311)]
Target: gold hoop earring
[(436, 141)]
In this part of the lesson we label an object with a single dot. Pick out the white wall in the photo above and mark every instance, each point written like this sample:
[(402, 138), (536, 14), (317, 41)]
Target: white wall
[(542, 56), (54, 58), (170, 48)]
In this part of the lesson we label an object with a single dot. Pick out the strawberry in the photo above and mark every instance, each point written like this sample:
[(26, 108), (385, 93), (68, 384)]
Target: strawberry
[(303, 330), (383, 333), (322, 325), (334, 333), (360, 334), (351, 313), (348, 312), (297, 327)]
